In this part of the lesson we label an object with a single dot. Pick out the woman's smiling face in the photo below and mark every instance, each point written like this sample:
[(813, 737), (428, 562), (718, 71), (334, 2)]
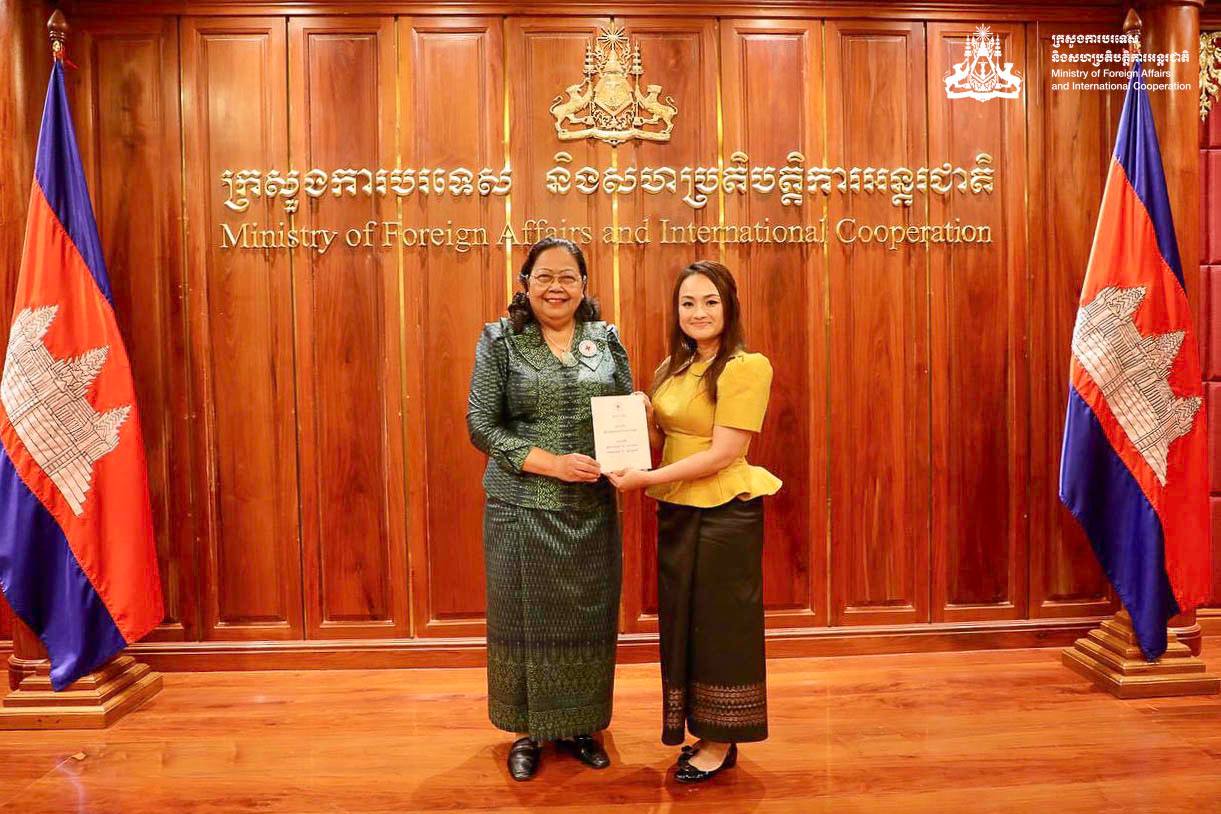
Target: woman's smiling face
[(700, 313), (554, 287)]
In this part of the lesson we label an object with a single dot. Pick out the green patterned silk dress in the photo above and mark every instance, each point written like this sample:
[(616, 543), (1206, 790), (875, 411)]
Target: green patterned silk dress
[(552, 550)]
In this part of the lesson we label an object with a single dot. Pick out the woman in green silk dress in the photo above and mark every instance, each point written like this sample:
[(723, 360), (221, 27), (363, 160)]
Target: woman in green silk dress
[(551, 538)]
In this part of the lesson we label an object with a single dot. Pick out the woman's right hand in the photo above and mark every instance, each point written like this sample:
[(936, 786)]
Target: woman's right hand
[(577, 468)]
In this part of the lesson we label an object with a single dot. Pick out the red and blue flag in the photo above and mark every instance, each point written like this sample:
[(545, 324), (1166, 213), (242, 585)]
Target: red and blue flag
[(1133, 469), (78, 562)]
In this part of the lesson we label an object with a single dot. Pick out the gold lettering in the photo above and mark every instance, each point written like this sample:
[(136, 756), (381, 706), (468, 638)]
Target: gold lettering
[(228, 240)]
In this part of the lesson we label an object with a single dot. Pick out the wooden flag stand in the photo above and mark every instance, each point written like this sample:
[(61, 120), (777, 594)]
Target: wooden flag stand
[(1110, 657), (95, 701)]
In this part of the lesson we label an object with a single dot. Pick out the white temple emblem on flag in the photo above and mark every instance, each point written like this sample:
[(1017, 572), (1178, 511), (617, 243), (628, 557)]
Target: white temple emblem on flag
[(1132, 371), (45, 401)]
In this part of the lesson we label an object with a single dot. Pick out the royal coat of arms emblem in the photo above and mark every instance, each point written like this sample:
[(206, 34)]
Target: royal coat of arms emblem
[(608, 103), (981, 75)]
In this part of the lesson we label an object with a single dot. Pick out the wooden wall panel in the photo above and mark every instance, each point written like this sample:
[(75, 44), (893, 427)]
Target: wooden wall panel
[(1210, 173), (680, 55), (879, 376), (452, 115), (1071, 136), (773, 90), (127, 120), (6, 621), (342, 75), (979, 352), (240, 321)]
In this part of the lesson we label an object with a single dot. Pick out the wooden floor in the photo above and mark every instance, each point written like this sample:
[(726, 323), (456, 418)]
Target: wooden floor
[(963, 732)]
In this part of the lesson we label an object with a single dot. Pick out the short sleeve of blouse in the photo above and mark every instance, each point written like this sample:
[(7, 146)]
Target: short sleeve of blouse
[(742, 392)]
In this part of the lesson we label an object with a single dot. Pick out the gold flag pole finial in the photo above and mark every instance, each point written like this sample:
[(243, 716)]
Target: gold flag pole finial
[(57, 28), (1132, 25)]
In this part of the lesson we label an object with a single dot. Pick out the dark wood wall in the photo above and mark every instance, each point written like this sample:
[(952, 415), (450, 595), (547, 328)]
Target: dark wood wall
[(316, 498)]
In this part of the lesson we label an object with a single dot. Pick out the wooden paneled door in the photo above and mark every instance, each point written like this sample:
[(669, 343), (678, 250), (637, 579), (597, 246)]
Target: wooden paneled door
[(452, 114), (773, 92), (979, 348), (878, 334), (240, 322), (348, 330), (126, 110), (1071, 136)]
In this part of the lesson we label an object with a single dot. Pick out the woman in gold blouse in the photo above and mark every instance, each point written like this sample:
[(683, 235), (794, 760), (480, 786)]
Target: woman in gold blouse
[(708, 400)]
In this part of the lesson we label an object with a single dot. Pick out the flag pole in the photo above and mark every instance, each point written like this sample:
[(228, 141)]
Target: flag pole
[(57, 29), (1132, 25), (28, 653), (96, 700)]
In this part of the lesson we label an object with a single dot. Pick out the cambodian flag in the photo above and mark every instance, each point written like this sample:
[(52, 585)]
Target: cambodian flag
[(1133, 468), (77, 560)]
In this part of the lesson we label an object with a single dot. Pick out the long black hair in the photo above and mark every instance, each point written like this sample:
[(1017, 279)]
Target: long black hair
[(733, 335), (520, 312)]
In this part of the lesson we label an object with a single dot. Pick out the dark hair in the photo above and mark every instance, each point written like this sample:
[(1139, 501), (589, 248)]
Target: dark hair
[(682, 347), (520, 312)]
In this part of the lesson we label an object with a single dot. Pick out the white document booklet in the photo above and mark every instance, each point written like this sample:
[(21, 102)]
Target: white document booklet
[(621, 433)]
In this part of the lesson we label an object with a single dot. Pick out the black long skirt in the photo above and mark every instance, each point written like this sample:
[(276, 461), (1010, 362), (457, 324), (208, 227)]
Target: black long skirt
[(710, 592)]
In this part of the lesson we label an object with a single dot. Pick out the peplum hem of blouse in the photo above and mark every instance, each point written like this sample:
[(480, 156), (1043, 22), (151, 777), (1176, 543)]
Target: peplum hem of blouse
[(739, 480)]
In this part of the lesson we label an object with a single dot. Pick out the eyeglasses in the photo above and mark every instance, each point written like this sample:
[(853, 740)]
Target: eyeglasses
[(544, 281)]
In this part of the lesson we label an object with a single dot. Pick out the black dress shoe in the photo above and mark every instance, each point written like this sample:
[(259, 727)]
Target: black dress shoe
[(686, 773), (585, 749), (523, 758)]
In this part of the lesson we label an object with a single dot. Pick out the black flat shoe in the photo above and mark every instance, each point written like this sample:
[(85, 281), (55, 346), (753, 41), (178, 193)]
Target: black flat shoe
[(686, 773), (523, 758), (585, 749)]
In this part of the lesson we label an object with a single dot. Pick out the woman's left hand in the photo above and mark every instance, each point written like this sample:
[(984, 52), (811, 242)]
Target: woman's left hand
[(648, 406), (628, 480)]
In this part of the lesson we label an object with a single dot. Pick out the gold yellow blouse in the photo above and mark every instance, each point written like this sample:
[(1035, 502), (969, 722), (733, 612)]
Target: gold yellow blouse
[(687, 415)]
